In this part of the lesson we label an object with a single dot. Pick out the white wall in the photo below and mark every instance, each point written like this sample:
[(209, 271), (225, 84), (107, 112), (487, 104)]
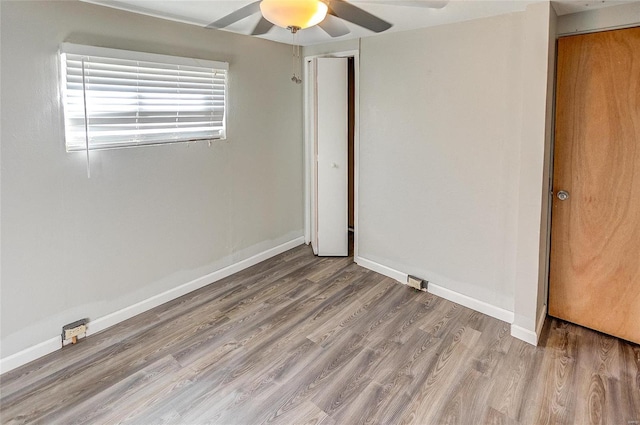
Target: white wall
[(149, 219), (439, 154), (452, 170), (623, 15), (538, 68)]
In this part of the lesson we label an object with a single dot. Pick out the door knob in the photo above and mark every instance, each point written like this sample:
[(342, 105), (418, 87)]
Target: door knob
[(563, 195)]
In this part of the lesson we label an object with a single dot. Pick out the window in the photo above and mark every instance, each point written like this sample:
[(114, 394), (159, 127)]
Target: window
[(117, 98)]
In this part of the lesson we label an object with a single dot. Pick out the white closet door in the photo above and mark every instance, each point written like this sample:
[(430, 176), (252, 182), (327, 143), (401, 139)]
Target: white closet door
[(331, 101)]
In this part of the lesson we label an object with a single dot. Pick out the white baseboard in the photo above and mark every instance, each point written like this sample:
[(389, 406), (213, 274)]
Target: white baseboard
[(541, 320), (32, 353), (456, 297), (472, 303), (527, 335), (524, 334), (383, 270), (133, 310)]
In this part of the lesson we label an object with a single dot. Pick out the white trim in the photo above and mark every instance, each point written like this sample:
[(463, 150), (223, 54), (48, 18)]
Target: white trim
[(529, 336), (599, 29), (382, 269), (356, 150), (109, 320), (442, 292), (524, 334), (49, 346), (30, 354), (541, 320), (472, 303)]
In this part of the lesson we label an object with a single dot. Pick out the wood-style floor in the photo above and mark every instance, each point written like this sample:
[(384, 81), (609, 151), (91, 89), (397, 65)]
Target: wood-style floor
[(299, 339)]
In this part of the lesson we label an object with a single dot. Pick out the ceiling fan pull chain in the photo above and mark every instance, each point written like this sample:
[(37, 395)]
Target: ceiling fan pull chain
[(295, 52), (293, 62)]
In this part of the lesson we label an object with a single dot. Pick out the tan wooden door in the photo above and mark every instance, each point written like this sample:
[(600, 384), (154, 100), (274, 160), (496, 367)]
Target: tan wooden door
[(595, 234)]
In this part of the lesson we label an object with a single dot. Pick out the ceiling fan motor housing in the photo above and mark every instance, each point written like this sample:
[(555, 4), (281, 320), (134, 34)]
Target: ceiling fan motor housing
[(294, 13)]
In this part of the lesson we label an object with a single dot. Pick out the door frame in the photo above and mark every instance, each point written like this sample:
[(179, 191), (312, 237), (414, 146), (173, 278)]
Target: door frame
[(309, 130)]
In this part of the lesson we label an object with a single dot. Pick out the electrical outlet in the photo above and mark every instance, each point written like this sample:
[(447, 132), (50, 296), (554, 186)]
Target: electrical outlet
[(414, 282), (74, 331), (70, 333)]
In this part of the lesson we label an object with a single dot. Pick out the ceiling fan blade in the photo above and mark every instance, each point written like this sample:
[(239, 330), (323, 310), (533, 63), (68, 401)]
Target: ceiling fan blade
[(351, 13), (334, 27), (237, 15), (429, 4), (262, 27)]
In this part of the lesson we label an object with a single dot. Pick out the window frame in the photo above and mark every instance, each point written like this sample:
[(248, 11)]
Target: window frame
[(129, 55)]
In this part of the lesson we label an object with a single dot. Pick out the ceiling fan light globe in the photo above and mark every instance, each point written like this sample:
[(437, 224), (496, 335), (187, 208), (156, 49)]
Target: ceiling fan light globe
[(294, 13)]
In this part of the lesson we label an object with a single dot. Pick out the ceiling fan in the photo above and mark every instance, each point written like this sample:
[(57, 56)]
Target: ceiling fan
[(299, 14)]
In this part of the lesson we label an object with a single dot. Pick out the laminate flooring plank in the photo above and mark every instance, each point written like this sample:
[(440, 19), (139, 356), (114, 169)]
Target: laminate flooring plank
[(135, 393), (328, 268), (258, 320), (403, 367), (557, 402), (240, 389), (301, 315), (353, 378), (118, 361), (629, 355), (356, 309), (235, 288), (493, 417), (322, 369), (402, 324), (256, 367), (446, 315), (190, 397), (300, 339), (495, 345), (376, 404), (230, 291), (467, 400), (382, 311), (273, 331), (514, 377), (38, 372), (596, 378), (409, 363), (305, 414), (427, 400)]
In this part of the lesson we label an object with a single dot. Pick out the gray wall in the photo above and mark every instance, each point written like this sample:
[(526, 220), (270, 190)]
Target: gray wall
[(149, 219), (441, 112), (452, 169)]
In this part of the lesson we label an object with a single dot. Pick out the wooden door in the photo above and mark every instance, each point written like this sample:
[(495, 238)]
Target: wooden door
[(331, 119), (595, 236)]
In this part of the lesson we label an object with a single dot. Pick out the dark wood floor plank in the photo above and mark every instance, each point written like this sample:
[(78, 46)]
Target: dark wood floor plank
[(298, 339)]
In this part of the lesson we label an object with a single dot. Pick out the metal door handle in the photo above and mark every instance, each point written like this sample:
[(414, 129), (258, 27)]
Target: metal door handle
[(563, 195)]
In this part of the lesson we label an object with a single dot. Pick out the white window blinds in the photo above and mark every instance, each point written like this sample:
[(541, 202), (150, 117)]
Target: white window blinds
[(117, 98)]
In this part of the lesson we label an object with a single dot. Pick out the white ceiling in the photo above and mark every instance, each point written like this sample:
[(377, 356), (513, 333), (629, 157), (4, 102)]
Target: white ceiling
[(203, 12)]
